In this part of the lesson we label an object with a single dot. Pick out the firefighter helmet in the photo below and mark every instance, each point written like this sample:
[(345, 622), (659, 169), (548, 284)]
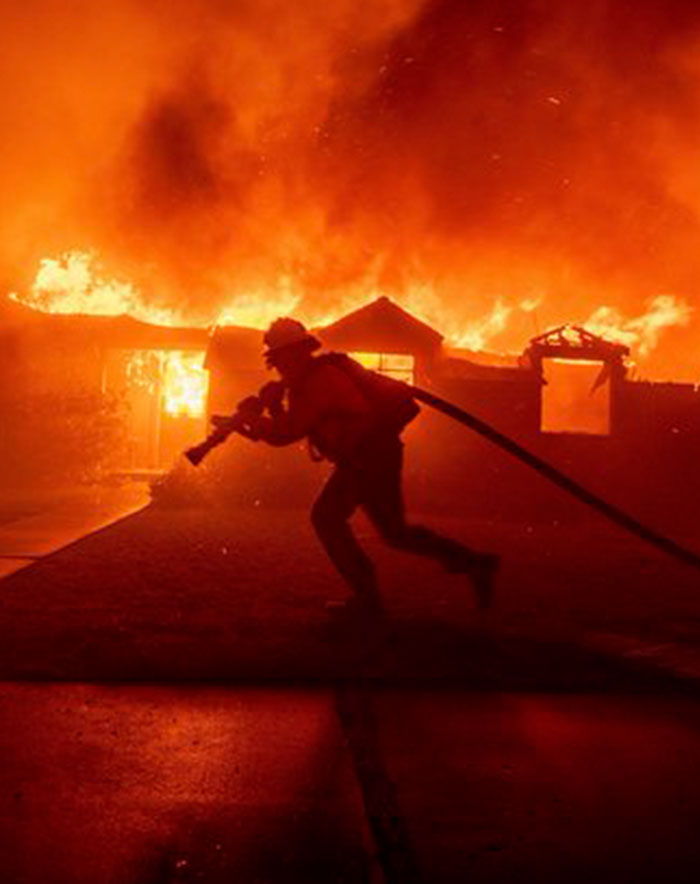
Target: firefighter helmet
[(286, 332)]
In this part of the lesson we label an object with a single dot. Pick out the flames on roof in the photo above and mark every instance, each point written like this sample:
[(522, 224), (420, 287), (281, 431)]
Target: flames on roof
[(480, 163)]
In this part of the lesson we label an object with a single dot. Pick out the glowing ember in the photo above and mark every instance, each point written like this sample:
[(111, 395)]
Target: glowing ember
[(185, 384)]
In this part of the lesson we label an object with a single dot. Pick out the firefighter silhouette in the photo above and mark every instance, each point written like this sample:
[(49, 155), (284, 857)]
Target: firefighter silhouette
[(354, 418)]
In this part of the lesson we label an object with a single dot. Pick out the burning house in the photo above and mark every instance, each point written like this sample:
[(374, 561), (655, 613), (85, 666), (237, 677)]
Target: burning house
[(480, 163), (79, 370), (380, 335), (498, 202), (567, 397)]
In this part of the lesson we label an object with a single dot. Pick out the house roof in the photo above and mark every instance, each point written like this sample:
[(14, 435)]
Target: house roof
[(14, 314), (379, 326), (575, 342), (126, 332), (235, 347), (382, 326), (113, 332)]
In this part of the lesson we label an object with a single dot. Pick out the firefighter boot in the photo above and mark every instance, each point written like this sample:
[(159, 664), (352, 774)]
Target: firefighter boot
[(481, 569)]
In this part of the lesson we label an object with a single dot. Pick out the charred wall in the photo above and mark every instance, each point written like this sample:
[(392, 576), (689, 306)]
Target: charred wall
[(647, 464)]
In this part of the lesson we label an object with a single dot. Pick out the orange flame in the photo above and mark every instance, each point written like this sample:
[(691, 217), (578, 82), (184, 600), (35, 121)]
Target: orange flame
[(73, 283), (641, 333), (425, 303), (178, 376), (185, 384), (259, 309), (143, 369)]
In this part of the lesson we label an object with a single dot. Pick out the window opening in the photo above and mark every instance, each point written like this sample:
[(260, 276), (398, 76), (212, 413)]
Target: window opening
[(400, 366), (575, 396)]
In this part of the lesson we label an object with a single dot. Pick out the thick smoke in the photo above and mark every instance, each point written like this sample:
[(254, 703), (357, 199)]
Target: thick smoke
[(481, 151)]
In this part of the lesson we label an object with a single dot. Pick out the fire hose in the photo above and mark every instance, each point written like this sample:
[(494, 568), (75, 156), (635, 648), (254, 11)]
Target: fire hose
[(572, 487), (252, 406), (225, 426)]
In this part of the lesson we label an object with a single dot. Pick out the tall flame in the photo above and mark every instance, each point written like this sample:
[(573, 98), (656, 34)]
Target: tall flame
[(476, 334), (259, 309), (640, 332), (185, 384), (257, 158), (74, 283), (178, 377)]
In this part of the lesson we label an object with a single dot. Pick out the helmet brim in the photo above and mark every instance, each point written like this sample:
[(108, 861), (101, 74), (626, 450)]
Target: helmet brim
[(309, 344)]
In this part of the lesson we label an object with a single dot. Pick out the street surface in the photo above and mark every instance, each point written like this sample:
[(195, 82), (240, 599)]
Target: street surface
[(153, 785), (240, 594), (156, 785), (174, 707), (35, 524)]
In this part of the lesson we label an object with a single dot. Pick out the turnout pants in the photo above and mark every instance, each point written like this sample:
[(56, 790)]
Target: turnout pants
[(371, 479)]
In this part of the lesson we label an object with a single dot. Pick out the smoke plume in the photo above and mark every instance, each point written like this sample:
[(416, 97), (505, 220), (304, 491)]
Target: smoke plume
[(491, 153)]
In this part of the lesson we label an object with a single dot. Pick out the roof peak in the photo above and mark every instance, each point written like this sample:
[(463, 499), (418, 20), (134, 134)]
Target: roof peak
[(383, 309)]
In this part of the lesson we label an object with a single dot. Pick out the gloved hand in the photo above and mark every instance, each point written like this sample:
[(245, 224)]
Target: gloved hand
[(223, 421), (272, 396)]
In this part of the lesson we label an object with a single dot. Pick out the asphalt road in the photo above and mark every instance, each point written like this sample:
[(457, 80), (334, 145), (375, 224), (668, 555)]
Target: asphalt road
[(532, 743), (153, 785), (548, 788), (239, 595)]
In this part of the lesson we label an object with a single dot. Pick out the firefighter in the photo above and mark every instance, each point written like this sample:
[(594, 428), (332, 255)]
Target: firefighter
[(349, 417)]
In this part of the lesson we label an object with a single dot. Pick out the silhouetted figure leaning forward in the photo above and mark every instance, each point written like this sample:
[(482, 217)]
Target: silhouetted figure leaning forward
[(354, 418)]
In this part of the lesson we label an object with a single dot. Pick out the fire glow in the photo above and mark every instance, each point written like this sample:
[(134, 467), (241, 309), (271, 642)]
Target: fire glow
[(185, 384), (75, 284), (640, 332), (176, 377), (234, 162), (71, 284)]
